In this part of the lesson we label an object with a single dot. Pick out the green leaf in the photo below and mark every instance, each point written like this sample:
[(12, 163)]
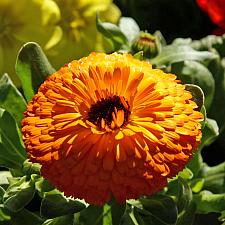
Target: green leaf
[(92, 215), (128, 217), (107, 216), (160, 40), (217, 109), (182, 41), (25, 217), (61, 220), (18, 195), (209, 133), (191, 72), (203, 111), (12, 180), (159, 210), (208, 202), (2, 192), (31, 168), (56, 204), (186, 174), (209, 42), (32, 67), (117, 211), (195, 164), (112, 32), (214, 178), (130, 28), (41, 185), (3, 178), (184, 195), (222, 217), (187, 216), (11, 99), (172, 54), (186, 207), (197, 94), (4, 216), (12, 153), (197, 185)]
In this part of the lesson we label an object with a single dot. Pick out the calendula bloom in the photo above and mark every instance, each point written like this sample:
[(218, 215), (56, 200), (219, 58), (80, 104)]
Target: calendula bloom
[(110, 125)]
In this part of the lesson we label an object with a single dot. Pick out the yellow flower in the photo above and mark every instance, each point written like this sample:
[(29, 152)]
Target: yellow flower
[(110, 125), (80, 35), (22, 21)]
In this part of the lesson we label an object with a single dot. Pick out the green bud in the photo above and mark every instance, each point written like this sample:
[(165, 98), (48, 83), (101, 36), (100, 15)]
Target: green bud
[(146, 43)]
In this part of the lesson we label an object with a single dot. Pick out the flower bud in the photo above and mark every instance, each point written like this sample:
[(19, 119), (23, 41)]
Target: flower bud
[(146, 43)]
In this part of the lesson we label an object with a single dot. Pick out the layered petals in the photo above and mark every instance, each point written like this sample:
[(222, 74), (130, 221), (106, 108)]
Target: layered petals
[(110, 125)]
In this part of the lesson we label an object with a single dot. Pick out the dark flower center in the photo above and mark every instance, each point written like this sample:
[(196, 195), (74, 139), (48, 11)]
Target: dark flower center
[(111, 112)]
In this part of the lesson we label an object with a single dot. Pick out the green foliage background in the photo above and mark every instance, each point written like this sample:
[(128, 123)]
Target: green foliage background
[(27, 198)]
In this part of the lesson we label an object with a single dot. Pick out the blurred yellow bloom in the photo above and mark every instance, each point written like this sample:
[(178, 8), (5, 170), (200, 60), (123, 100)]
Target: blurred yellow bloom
[(22, 21), (80, 35)]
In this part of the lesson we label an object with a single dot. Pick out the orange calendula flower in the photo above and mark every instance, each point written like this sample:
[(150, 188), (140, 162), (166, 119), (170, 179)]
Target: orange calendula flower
[(110, 125)]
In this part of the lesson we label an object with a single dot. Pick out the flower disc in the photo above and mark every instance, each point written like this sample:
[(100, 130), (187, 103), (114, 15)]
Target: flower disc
[(110, 125)]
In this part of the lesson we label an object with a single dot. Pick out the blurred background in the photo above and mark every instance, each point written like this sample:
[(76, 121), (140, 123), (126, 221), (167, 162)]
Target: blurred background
[(174, 18), (66, 30)]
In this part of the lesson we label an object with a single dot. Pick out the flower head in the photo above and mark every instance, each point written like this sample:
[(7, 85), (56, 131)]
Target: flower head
[(110, 125), (146, 43)]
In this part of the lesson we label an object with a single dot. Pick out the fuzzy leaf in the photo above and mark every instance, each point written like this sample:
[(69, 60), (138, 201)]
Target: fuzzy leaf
[(209, 42), (41, 185), (25, 217), (3, 178), (61, 220), (186, 174), (197, 94), (130, 28), (158, 210), (217, 109), (173, 53), (195, 164), (184, 195), (209, 133), (185, 205), (31, 168), (222, 217), (18, 195), (56, 204), (92, 215), (208, 202), (197, 185), (214, 178), (191, 72), (128, 217), (11, 99), (12, 152), (112, 32), (32, 67)]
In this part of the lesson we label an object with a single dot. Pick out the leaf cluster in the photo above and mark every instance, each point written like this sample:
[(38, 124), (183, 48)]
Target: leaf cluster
[(27, 198)]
